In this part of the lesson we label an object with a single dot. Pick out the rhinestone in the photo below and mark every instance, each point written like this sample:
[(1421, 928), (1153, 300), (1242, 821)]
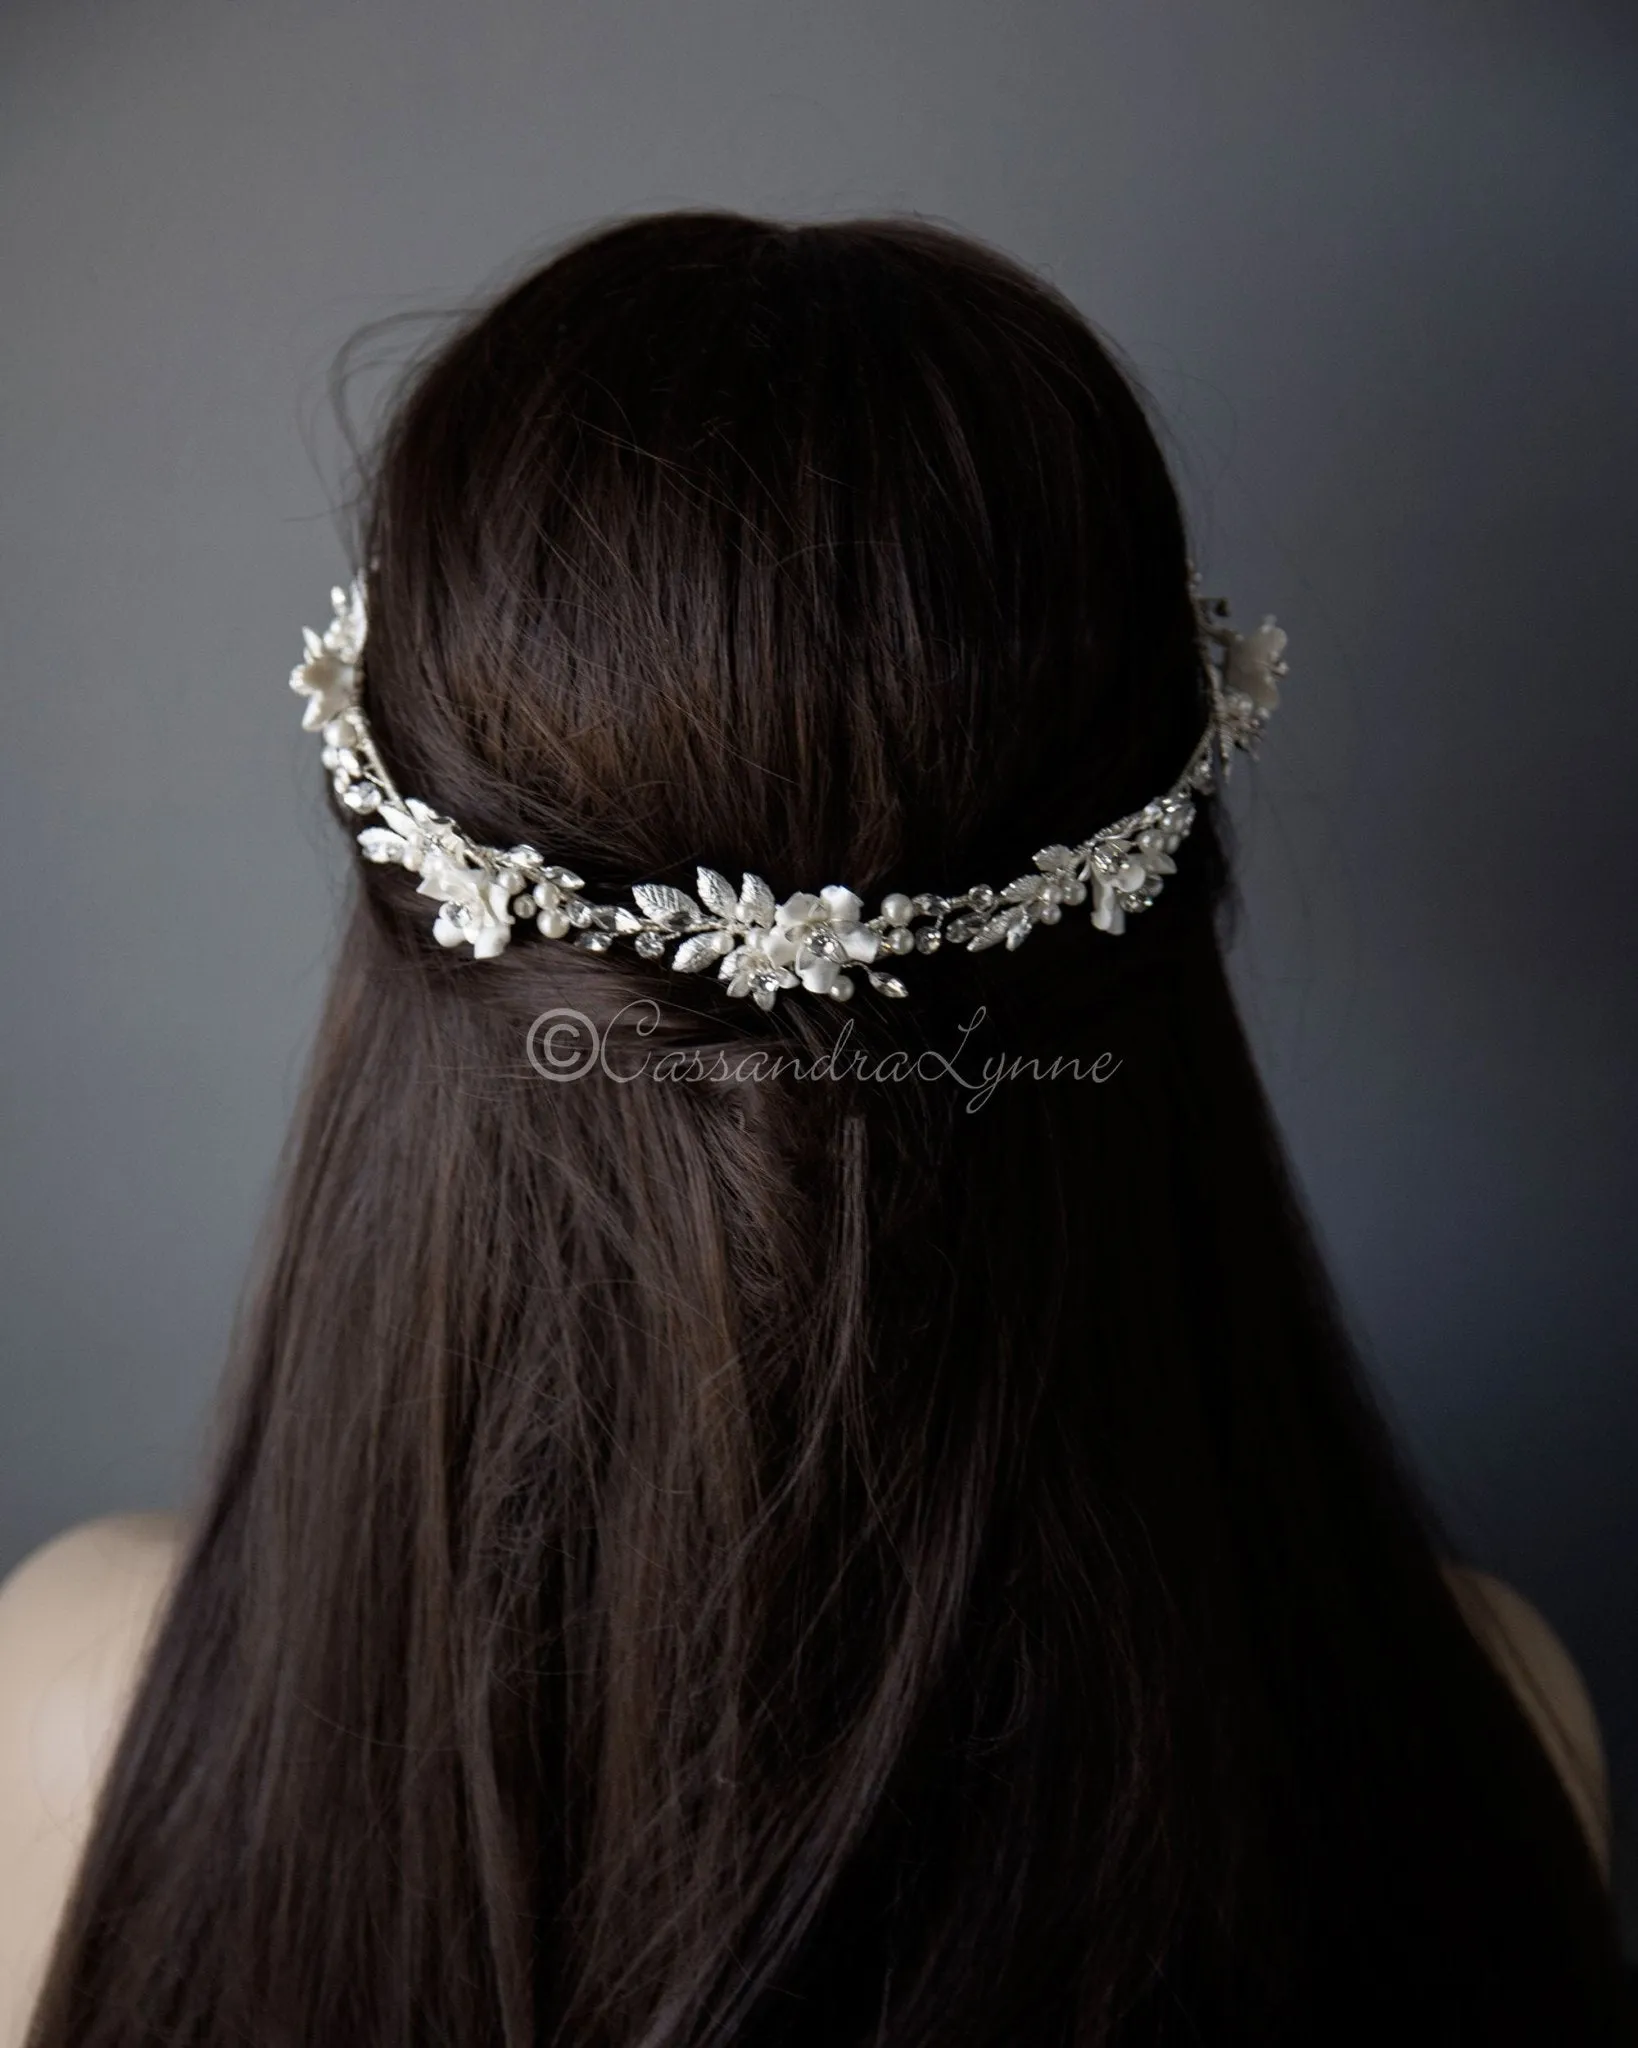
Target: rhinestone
[(581, 914), (650, 944), (931, 906), (928, 941), (963, 927), (524, 857), (888, 984), (361, 796), (981, 898), (595, 942)]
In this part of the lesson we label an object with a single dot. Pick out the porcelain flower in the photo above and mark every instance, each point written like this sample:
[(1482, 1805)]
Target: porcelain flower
[(328, 678), (751, 970), (1253, 664), (474, 906), (818, 935)]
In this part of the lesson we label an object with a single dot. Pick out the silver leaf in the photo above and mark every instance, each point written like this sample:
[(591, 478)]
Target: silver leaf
[(717, 893), (701, 950), (756, 901), (666, 905)]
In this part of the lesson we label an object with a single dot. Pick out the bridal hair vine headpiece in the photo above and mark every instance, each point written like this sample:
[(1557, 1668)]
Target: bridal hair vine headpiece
[(758, 946)]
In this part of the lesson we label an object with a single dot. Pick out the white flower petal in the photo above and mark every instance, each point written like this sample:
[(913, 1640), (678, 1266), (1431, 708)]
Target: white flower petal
[(382, 845), (796, 910), (1108, 916), (1253, 664), (818, 974)]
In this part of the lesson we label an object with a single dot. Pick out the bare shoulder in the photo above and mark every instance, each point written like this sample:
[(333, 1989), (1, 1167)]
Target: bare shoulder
[(1532, 1657), (75, 1620)]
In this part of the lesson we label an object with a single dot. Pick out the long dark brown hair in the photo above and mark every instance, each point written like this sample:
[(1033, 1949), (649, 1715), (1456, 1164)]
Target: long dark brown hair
[(742, 1555)]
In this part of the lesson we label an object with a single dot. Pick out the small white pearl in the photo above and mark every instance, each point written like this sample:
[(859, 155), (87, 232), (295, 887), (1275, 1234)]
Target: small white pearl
[(897, 909)]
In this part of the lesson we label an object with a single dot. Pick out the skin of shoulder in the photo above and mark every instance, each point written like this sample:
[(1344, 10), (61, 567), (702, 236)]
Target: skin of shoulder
[(76, 1618), (1533, 1659)]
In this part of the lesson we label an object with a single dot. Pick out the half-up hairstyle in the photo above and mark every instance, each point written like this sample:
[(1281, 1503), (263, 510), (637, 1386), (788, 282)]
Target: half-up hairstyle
[(722, 1556)]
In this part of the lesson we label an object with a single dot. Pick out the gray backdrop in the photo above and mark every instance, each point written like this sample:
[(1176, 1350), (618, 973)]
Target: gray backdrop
[(1377, 265)]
